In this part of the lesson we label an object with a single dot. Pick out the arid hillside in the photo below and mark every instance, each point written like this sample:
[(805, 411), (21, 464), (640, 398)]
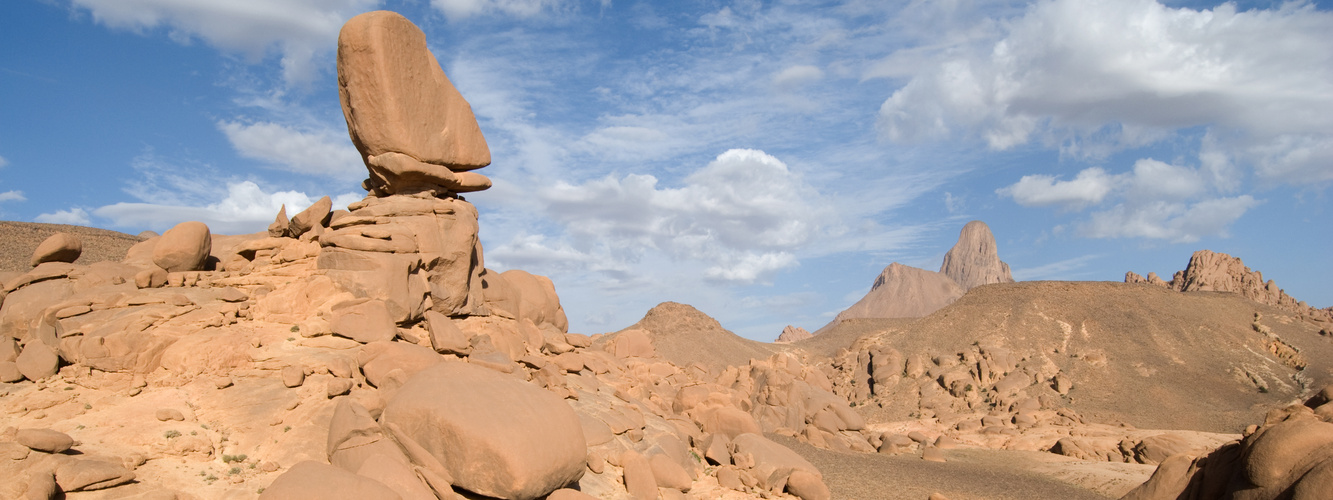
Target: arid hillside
[(1140, 354)]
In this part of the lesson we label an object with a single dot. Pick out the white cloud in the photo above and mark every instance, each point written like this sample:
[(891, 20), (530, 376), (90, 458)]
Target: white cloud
[(1097, 76), (12, 195), (298, 30), (246, 208), (741, 216), (1175, 222), (3, 162), (795, 76), (73, 216), (459, 9), (1155, 200), (1154, 180), (1089, 187), (322, 152)]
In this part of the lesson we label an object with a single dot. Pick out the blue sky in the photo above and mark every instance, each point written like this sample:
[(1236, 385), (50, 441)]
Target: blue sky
[(762, 161)]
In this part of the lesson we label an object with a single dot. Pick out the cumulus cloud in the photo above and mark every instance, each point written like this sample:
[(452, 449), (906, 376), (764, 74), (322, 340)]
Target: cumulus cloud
[(1155, 200), (12, 195), (1096, 77), (246, 208), (1089, 187), (322, 152), (741, 216), (298, 30), (73, 216), (1175, 222)]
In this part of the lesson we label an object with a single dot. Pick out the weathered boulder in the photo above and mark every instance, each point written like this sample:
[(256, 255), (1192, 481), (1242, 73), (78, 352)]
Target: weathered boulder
[(59, 247), (314, 215), (495, 434), (363, 320), (86, 475), (184, 247), (310, 480), (410, 124), (45, 440), (37, 361), (769, 462)]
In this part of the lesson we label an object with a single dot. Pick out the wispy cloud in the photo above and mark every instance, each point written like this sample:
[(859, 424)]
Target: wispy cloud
[(1068, 269), (320, 152), (300, 31)]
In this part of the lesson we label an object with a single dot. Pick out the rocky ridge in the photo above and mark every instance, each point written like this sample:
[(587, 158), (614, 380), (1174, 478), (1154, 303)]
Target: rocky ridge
[(1210, 271)]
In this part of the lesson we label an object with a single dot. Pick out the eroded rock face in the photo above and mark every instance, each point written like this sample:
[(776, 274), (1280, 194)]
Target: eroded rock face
[(1210, 271), (975, 259), (496, 435), (412, 127)]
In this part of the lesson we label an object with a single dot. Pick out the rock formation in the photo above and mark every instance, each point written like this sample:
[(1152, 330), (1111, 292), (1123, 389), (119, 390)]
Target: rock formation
[(975, 260), (1210, 271), (1290, 456), (792, 334), (368, 353), (904, 292), (413, 129)]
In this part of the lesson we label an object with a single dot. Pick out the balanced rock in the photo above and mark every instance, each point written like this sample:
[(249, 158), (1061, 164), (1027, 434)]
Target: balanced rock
[(410, 124), (495, 434), (59, 247), (184, 247), (975, 260)]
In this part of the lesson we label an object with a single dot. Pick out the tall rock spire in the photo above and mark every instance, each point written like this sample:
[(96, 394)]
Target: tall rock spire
[(974, 260)]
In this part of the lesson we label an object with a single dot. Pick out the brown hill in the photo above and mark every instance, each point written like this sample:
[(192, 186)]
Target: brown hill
[(21, 238), (902, 292), (684, 335), (1141, 354)]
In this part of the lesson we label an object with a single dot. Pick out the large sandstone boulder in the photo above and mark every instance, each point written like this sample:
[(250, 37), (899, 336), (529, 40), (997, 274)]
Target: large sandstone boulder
[(184, 247), (975, 260), (496, 435), (59, 247), (410, 124)]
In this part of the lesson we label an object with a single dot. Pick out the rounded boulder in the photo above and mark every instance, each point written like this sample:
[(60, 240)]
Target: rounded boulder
[(495, 434), (184, 247), (59, 247)]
